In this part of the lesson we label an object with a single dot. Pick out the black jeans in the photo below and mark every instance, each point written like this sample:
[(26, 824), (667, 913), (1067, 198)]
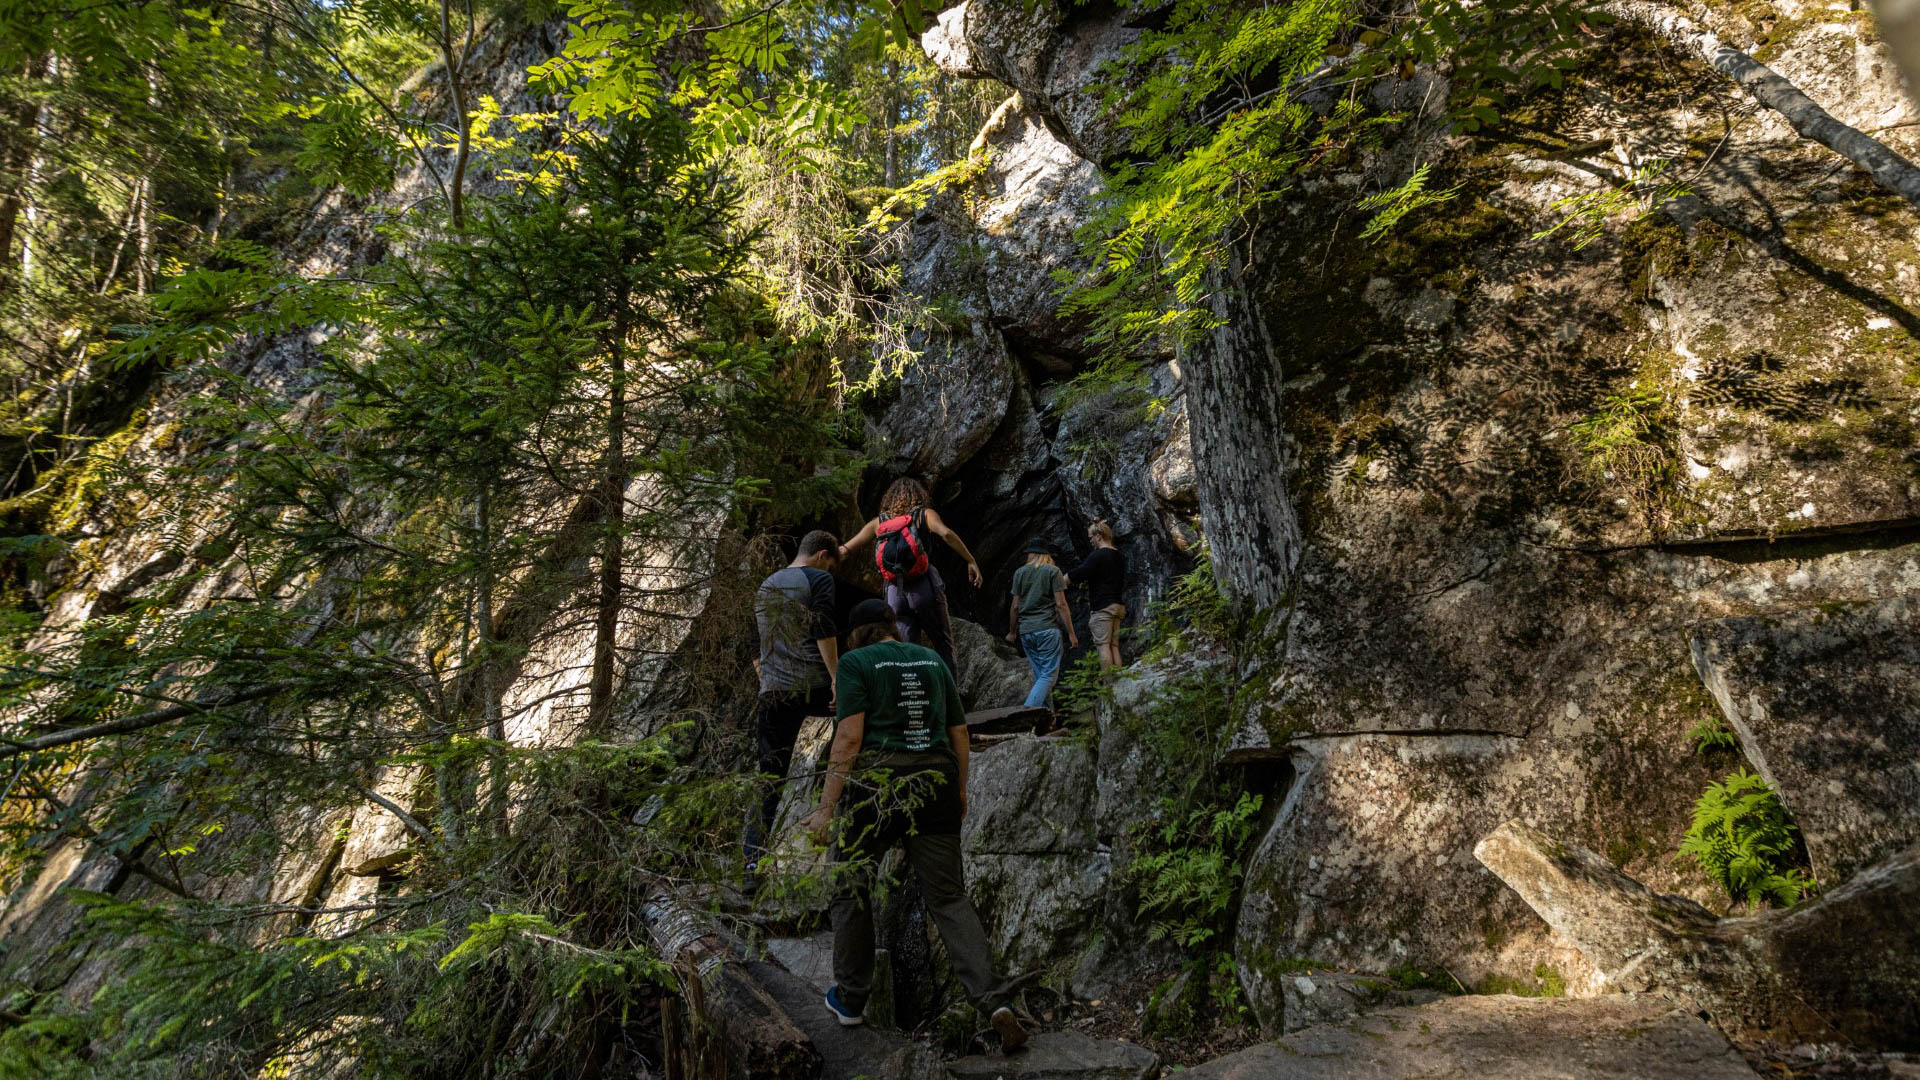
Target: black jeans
[(921, 604), (776, 726), (929, 825)]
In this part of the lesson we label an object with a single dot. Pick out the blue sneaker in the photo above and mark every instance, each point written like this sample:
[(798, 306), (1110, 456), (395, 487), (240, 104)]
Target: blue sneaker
[(846, 1016)]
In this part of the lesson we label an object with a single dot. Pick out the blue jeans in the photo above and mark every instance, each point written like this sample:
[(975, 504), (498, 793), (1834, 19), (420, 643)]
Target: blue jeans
[(1043, 656)]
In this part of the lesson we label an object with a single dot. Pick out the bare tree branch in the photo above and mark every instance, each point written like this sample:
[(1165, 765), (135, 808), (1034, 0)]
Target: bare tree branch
[(139, 721), (412, 823)]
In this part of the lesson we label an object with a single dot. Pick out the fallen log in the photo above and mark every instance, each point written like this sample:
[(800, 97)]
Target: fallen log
[(739, 1029), (1846, 965)]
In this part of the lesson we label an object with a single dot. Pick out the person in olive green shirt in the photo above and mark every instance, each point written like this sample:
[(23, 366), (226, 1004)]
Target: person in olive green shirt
[(1035, 616), (900, 717)]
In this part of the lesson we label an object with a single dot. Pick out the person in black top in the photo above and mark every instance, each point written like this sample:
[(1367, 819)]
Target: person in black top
[(798, 665), (1105, 574)]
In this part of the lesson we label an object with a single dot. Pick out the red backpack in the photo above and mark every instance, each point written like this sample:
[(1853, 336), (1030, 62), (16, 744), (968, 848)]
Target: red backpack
[(898, 548)]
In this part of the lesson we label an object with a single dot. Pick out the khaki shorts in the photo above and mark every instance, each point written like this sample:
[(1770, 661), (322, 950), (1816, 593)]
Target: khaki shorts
[(1104, 623)]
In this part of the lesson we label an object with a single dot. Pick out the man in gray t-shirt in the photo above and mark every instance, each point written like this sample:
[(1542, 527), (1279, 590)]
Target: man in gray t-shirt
[(799, 654)]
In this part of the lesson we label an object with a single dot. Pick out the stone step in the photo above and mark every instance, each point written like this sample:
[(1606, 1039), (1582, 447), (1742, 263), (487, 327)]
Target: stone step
[(845, 1052), (1061, 1055), (1008, 721), (810, 958), (1498, 1037)]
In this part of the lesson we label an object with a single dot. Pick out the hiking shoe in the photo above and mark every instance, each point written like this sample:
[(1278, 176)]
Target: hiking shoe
[(1012, 1035), (846, 1016)]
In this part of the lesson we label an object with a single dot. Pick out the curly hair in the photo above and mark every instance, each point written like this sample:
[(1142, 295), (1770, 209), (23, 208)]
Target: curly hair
[(904, 496)]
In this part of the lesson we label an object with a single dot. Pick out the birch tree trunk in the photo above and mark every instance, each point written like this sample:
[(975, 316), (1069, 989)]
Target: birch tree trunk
[(891, 173), (19, 158), (1769, 88), (42, 132), (143, 238)]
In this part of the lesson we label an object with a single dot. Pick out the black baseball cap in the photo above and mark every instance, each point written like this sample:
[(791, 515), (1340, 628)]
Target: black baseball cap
[(868, 612), (1037, 546)]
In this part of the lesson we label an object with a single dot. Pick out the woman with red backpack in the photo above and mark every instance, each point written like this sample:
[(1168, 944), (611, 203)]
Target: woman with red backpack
[(914, 589)]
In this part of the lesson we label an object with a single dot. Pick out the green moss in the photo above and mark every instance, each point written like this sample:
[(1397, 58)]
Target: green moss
[(1295, 965), (1634, 845), (1655, 246), (1492, 931), (1413, 977), (1547, 982), (862, 200), (92, 479), (1174, 1008), (1439, 250), (33, 510)]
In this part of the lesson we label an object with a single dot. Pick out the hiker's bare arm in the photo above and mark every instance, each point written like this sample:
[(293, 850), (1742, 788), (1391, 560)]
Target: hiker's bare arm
[(830, 652), (846, 746), (1066, 617), (953, 541), (860, 539), (957, 738), (1013, 618)]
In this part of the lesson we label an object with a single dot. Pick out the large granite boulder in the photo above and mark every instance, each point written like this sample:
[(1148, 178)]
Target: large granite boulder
[(1845, 966), (1034, 869), (976, 410), (950, 398), (1368, 863), (1827, 705), (1053, 52), (993, 674), (1485, 621)]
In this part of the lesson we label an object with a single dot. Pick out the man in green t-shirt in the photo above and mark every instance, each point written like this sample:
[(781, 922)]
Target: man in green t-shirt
[(900, 719)]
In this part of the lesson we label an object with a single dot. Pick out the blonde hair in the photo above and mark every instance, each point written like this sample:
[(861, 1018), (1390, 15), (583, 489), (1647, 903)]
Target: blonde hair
[(1036, 558), (904, 496), (1100, 530)]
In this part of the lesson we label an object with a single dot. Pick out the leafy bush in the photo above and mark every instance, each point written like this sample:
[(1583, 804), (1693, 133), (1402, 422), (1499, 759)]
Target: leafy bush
[(1743, 840), (1082, 686)]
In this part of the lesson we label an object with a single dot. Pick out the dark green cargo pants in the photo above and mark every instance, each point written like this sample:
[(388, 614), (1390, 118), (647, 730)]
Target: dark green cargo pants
[(921, 809)]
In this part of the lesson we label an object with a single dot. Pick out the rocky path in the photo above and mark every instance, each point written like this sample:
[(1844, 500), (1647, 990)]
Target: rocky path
[(1491, 1037), (1480, 1037), (1498, 1037)]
